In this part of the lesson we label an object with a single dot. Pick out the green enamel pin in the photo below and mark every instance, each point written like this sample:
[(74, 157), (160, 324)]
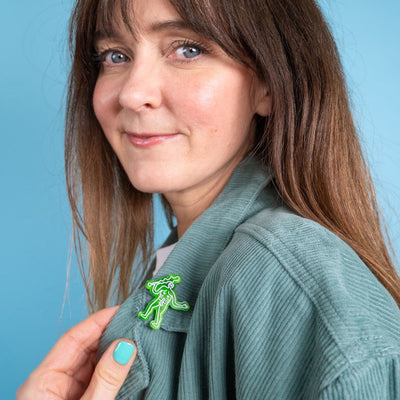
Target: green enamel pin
[(163, 291)]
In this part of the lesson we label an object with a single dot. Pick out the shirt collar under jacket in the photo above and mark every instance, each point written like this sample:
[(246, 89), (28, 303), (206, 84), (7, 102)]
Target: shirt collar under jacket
[(192, 258)]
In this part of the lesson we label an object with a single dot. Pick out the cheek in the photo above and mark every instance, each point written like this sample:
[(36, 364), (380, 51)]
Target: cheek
[(208, 94), (105, 103), (98, 100), (218, 103)]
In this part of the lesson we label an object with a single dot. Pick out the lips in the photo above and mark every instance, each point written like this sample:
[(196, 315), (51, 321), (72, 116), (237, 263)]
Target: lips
[(144, 140)]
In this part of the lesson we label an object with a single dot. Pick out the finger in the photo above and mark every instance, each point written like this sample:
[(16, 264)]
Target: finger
[(60, 372), (111, 371), (81, 340)]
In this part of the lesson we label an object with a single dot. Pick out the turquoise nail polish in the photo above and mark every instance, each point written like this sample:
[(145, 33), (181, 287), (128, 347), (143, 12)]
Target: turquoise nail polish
[(123, 352)]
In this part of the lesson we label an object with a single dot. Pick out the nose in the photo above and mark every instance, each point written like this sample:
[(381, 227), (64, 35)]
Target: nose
[(141, 89)]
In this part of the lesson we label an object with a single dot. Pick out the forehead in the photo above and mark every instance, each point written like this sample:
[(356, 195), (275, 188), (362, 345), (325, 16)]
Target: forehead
[(145, 12)]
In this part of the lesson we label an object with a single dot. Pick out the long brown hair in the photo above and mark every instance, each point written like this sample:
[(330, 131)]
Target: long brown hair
[(309, 139)]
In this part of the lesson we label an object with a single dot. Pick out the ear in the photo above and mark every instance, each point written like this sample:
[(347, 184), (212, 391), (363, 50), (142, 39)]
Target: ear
[(263, 103)]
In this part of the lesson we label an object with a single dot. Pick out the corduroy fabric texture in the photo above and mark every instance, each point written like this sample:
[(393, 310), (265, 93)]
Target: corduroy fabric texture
[(280, 309)]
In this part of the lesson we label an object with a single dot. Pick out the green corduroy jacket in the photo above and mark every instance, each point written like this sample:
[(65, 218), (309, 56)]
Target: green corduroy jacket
[(280, 308)]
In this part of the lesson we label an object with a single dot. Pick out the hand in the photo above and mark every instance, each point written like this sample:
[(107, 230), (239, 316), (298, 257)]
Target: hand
[(69, 371)]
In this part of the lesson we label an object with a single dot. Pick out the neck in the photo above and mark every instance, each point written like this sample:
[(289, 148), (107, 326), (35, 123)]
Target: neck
[(187, 206)]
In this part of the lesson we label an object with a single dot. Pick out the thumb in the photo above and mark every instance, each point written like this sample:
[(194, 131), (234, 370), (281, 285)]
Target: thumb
[(111, 371)]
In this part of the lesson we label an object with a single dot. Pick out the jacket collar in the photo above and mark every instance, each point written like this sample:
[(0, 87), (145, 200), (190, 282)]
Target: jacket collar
[(192, 258), (204, 241)]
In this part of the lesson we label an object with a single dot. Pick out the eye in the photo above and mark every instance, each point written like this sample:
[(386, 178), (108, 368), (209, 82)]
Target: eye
[(185, 50), (115, 57), (188, 51), (111, 57)]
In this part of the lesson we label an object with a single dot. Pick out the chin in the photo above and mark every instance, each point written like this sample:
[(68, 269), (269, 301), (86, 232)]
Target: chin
[(155, 177), (151, 185)]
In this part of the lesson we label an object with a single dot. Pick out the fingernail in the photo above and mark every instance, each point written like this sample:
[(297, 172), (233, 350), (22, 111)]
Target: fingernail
[(123, 352)]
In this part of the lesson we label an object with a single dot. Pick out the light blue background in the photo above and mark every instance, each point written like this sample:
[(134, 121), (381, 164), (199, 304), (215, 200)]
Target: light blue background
[(35, 220)]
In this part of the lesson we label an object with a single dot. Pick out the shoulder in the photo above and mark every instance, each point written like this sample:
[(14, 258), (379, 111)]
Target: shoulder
[(276, 240), (302, 281), (328, 272), (294, 239)]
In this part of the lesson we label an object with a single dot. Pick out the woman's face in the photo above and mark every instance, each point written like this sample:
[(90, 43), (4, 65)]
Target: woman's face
[(176, 109)]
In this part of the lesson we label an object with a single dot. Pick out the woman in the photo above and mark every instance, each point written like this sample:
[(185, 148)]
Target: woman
[(276, 282)]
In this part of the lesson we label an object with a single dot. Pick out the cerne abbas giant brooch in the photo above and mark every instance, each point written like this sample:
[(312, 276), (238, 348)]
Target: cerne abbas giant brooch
[(164, 297)]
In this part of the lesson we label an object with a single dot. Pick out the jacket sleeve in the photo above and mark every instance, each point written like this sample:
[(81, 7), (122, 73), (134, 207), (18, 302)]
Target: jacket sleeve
[(305, 325), (374, 379)]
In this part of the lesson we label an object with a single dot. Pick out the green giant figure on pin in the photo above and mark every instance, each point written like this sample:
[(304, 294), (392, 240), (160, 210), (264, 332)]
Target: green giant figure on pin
[(163, 291)]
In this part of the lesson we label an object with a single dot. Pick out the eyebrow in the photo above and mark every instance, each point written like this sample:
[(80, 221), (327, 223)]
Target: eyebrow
[(168, 25), (155, 27), (103, 35)]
